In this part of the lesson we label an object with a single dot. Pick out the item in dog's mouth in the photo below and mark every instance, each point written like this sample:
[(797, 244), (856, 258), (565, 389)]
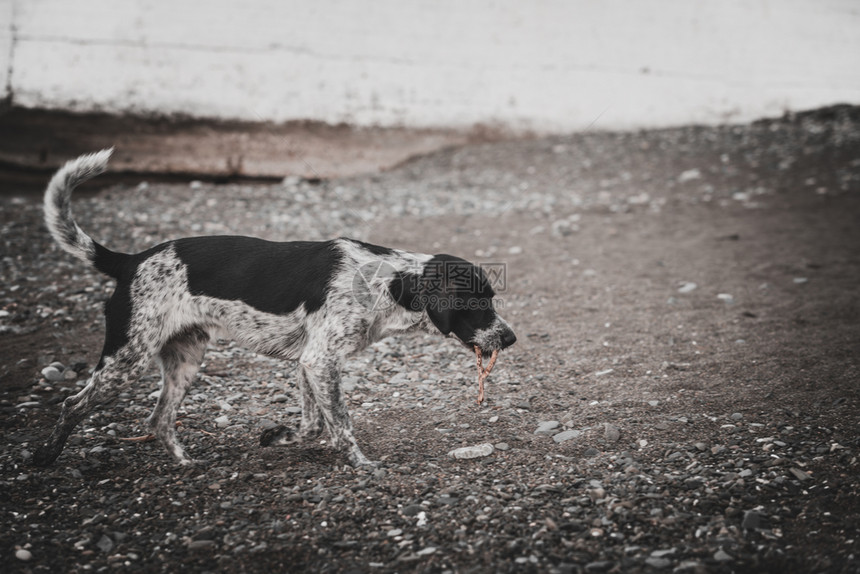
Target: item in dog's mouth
[(484, 372)]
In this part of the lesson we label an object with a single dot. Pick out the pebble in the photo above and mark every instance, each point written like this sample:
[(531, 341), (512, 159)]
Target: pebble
[(658, 563), (566, 435), (722, 556), (751, 521), (222, 421), (737, 416), (599, 566), (501, 446), (27, 405), (23, 555), (546, 427), (52, 374), (202, 545), (799, 474), (105, 543), (663, 553), (412, 510), (611, 432), (689, 175), (687, 287), (467, 452)]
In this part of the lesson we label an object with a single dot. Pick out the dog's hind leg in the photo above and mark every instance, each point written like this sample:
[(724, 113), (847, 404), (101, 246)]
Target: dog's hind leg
[(113, 373), (179, 360)]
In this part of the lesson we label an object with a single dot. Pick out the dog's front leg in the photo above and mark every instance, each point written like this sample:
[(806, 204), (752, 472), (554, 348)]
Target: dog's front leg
[(312, 420), (323, 377)]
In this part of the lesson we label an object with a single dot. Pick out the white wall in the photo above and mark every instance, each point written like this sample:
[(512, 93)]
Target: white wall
[(550, 65), (6, 19)]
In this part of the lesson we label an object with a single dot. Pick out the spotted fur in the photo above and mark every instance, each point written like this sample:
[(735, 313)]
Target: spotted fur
[(312, 302)]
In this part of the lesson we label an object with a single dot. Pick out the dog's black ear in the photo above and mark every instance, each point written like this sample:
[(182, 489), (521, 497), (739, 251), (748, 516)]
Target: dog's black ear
[(423, 293), (441, 317), (405, 289)]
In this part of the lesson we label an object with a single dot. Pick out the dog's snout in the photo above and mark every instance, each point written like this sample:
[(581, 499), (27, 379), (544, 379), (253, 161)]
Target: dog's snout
[(508, 339)]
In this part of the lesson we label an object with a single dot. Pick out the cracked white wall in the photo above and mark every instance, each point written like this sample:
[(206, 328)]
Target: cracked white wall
[(550, 65)]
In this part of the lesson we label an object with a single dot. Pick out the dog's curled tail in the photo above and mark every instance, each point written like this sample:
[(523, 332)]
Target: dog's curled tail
[(61, 223)]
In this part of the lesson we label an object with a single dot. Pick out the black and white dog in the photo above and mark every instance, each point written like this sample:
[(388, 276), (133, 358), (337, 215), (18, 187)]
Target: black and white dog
[(314, 302)]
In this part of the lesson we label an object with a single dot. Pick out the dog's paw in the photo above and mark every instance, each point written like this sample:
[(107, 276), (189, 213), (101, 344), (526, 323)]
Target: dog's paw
[(358, 460), (279, 435)]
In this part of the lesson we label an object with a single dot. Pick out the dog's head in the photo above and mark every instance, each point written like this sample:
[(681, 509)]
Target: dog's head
[(458, 300)]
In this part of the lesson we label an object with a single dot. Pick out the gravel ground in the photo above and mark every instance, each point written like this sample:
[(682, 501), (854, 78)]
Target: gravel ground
[(683, 396)]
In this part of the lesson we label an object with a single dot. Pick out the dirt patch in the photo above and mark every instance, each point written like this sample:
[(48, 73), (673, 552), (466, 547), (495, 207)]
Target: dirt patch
[(34, 143), (687, 312)]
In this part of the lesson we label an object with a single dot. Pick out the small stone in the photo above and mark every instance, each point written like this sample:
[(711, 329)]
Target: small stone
[(800, 280), (502, 446), (546, 427), (105, 543), (689, 175), (700, 446), (27, 405), (515, 250), (222, 421), (426, 551), (566, 435), (394, 532), (663, 553), (412, 510), (722, 556), (611, 432), (202, 545), (597, 494), (799, 474), (752, 520), (599, 566), (23, 555), (687, 287), (280, 398), (653, 403), (52, 374), (726, 298), (476, 451), (658, 563), (591, 452), (737, 416)]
